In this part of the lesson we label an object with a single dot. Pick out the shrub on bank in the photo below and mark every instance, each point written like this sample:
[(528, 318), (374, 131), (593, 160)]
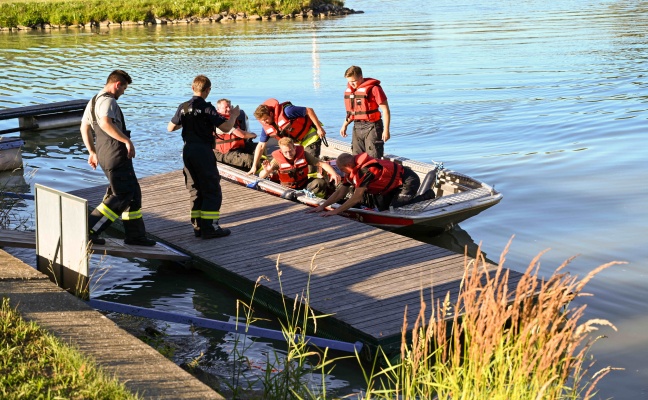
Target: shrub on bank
[(78, 12)]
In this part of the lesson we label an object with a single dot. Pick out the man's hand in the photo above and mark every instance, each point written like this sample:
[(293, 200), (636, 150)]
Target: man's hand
[(321, 132), (337, 178), (235, 112), (343, 130), (385, 135), (315, 210), (92, 160), (130, 147)]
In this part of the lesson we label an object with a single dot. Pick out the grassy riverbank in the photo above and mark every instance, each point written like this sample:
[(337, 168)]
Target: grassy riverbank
[(39, 13), (34, 364)]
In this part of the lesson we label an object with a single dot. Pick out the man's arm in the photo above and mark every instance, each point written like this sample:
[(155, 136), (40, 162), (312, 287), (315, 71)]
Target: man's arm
[(386, 117), (339, 194), (260, 148), (343, 129), (244, 134), (268, 169), (355, 199), (107, 125), (229, 123), (88, 141), (332, 173), (311, 114), (173, 127)]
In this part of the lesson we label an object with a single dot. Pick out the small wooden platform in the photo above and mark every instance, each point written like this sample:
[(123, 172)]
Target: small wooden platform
[(113, 247), (41, 109), (362, 275)]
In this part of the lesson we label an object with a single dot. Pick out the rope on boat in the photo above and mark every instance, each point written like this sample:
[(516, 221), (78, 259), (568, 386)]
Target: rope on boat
[(307, 193)]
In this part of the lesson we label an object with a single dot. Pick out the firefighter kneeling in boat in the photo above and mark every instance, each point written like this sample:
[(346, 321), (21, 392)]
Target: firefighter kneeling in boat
[(390, 183), (291, 164)]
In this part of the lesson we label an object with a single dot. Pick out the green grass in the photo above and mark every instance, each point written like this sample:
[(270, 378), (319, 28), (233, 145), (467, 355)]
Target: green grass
[(74, 12), (36, 365)]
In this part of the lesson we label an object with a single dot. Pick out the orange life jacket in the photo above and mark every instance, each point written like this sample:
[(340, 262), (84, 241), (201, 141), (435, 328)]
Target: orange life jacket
[(292, 173), (359, 105), (297, 128), (388, 174), (229, 141)]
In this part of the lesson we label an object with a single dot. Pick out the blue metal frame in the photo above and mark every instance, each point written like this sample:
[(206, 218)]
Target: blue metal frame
[(218, 325)]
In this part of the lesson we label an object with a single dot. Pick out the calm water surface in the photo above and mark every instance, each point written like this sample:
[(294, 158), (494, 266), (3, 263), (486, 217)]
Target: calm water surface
[(545, 100)]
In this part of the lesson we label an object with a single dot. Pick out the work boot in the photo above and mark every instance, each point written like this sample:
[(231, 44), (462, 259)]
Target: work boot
[(95, 239), (209, 231), (140, 241)]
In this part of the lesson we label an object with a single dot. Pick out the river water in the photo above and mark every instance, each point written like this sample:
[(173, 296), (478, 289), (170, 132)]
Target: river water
[(545, 100)]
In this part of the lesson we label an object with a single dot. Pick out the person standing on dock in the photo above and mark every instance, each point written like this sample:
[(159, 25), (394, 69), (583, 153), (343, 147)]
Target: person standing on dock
[(198, 120), (234, 147), (390, 183), (291, 163), (114, 153), (364, 100), (286, 120)]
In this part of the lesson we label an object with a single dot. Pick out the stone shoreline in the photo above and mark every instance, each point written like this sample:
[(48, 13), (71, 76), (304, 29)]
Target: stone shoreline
[(320, 12)]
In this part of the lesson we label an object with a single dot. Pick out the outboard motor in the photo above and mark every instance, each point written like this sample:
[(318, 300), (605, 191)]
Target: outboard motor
[(428, 181)]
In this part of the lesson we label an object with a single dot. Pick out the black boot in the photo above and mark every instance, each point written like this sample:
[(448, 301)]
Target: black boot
[(209, 231), (136, 233), (95, 239)]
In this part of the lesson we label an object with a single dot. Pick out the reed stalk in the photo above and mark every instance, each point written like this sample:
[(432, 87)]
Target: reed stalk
[(493, 344)]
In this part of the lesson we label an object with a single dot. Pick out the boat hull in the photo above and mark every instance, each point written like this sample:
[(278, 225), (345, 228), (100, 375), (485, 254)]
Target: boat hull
[(459, 197)]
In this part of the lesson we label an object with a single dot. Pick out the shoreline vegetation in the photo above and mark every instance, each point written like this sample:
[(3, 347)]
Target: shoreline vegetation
[(531, 343), (35, 364), (41, 14)]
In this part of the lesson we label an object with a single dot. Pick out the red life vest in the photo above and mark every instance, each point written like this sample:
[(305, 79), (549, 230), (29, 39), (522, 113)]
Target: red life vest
[(297, 128), (231, 141), (292, 173), (359, 105), (386, 179)]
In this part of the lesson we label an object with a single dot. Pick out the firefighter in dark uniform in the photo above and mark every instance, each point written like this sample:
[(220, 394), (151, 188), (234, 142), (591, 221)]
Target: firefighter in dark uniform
[(114, 153), (198, 120)]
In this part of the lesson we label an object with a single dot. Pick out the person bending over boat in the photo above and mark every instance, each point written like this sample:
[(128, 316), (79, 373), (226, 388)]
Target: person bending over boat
[(364, 99), (286, 120), (390, 183), (234, 147), (114, 153), (198, 120), (291, 163)]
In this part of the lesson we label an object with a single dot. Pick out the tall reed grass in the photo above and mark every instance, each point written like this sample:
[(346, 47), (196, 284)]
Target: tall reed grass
[(494, 344), (300, 371)]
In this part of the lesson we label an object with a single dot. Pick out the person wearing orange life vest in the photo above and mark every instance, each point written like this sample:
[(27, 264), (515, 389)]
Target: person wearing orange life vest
[(286, 120), (291, 163), (234, 147), (390, 183), (364, 100)]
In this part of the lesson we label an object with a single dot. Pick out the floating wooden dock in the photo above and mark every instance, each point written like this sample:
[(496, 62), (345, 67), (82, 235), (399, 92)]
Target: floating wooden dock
[(45, 116), (364, 276)]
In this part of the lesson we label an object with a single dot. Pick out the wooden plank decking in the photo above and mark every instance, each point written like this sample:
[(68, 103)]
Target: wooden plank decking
[(364, 276)]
